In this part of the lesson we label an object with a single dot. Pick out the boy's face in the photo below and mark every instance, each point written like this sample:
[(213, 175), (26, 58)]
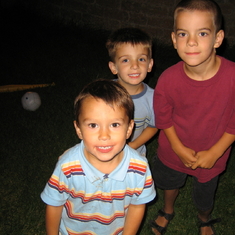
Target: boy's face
[(104, 131), (195, 38), (131, 64)]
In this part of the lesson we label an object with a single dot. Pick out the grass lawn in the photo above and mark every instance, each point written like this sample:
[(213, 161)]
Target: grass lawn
[(35, 50)]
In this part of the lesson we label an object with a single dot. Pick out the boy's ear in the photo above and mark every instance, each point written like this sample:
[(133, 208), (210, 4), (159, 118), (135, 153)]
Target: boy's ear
[(112, 67), (173, 38), (78, 131), (150, 65), (219, 38), (130, 128)]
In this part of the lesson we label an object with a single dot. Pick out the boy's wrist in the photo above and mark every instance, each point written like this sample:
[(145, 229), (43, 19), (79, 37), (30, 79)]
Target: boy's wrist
[(177, 148), (215, 152)]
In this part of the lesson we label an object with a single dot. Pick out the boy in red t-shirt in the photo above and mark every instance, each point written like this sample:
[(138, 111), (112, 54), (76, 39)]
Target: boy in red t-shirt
[(195, 110)]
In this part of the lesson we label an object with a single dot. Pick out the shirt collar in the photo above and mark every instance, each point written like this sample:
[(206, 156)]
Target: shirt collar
[(94, 175)]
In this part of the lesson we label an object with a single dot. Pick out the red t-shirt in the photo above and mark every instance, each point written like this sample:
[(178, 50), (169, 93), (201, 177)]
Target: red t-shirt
[(200, 111)]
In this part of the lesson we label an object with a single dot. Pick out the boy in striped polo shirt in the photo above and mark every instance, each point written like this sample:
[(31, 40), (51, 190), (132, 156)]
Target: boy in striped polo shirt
[(101, 185)]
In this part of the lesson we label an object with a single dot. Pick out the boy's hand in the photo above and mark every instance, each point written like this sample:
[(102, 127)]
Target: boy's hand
[(208, 158), (205, 159), (143, 138), (186, 155)]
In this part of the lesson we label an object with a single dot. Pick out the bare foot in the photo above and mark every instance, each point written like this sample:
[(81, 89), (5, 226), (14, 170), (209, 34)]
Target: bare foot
[(206, 227), (206, 230)]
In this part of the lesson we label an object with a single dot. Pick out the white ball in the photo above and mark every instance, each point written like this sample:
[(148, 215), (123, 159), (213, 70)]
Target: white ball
[(31, 101)]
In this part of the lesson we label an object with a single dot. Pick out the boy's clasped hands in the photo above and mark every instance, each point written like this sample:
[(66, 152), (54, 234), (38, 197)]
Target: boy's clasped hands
[(202, 159)]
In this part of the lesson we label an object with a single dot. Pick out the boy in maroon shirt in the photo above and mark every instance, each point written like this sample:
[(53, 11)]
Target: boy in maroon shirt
[(194, 106)]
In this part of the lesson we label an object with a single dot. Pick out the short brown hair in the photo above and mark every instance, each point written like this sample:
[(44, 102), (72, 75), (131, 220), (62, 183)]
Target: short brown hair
[(128, 35), (201, 5), (111, 92)]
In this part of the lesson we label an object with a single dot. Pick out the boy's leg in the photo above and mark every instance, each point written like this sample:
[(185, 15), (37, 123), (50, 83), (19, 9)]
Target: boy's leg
[(170, 181), (203, 194), (204, 215), (169, 201)]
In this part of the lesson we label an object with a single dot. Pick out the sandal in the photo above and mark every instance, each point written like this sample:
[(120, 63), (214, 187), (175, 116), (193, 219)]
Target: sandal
[(159, 228), (209, 223)]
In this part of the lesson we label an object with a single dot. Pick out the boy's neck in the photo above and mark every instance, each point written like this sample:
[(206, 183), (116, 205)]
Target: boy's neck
[(205, 71), (133, 89), (105, 167)]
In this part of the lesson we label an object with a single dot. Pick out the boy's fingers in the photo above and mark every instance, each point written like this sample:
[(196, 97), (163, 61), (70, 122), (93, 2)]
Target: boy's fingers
[(189, 164), (194, 166)]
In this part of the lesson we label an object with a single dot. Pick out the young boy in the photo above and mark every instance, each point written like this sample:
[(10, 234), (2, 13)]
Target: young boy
[(101, 185), (130, 51), (194, 106)]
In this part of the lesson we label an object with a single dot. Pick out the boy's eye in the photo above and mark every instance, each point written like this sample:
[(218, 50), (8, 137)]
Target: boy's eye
[(181, 34), (203, 34), (92, 125), (142, 59), (125, 60), (115, 125)]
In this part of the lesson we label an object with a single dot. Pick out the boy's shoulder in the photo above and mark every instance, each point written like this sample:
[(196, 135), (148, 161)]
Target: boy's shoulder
[(225, 63), (147, 91), (148, 88), (134, 156), (171, 75), (72, 154), (175, 68)]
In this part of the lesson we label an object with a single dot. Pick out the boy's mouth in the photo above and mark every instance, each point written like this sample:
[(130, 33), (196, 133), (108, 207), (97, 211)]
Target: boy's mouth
[(104, 149), (192, 53), (134, 75)]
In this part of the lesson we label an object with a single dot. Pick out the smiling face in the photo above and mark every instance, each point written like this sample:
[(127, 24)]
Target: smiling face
[(195, 37), (104, 131), (131, 64)]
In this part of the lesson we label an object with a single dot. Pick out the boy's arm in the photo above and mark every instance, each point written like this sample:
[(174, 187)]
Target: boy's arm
[(207, 159), (186, 155), (142, 139), (133, 219), (53, 216)]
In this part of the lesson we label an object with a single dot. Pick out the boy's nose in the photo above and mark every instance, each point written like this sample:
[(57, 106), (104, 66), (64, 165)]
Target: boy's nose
[(192, 41), (134, 65), (104, 134)]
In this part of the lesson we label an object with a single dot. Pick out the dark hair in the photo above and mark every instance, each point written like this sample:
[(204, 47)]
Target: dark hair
[(201, 5), (128, 35), (111, 92)]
